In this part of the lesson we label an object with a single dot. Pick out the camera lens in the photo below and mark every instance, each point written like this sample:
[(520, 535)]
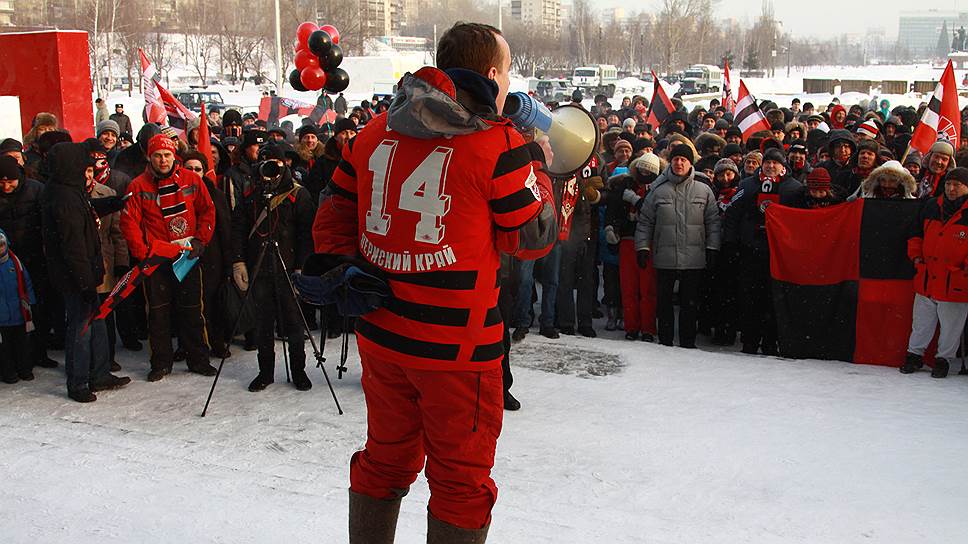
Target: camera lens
[(270, 169)]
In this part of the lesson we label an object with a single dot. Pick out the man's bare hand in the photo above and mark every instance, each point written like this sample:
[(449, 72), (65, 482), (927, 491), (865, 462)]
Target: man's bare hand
[(546, 147)]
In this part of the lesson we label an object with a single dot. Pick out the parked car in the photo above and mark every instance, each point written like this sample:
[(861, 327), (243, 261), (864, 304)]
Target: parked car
[(193, 98)]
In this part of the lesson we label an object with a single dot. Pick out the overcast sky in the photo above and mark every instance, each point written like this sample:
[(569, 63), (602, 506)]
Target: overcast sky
[(823, 18)]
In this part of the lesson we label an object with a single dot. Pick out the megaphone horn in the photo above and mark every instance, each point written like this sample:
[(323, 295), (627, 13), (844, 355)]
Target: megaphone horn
[(571, 131)]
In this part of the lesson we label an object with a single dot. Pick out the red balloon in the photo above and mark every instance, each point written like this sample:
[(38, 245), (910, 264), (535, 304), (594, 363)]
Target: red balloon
[(313, 78), (304, 30), (298, 46), (331, 30), (305, 59)]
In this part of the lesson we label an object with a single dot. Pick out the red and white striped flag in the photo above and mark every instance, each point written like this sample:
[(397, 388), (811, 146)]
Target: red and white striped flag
[(748, 116), (728, 101), (160, 105), (941, 120)]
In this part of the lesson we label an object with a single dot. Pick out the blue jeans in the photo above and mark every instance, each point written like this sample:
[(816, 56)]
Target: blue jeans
[(86, 356), (550, 265)]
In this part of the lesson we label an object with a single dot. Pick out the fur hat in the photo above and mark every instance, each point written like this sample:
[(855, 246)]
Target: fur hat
[(45, 119), (708, 140), (867, 145), (890, 169), (943, 147), (732, 149)]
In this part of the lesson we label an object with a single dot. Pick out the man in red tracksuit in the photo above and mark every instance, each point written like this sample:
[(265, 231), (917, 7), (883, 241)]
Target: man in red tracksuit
[(430, 192), (171, 204)]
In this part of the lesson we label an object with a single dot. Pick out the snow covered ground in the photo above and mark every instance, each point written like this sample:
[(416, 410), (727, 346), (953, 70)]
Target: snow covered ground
[(617, 442)]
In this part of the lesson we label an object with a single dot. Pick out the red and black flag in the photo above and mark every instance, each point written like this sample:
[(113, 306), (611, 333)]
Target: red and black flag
[(273, 108), (728, 101), (941, 120), (160, 105), (661, 107), (748, 116), (159, 254), (842, 281)]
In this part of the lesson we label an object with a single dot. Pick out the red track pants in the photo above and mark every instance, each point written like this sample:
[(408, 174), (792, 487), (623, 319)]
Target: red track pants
[(638, 290), (417, 414)]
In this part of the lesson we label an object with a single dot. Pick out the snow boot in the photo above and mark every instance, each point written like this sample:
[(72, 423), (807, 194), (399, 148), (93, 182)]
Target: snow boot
[(439, 532), (110, 382), (940, 368), (519, 334), (912, 363), (301, 380), (373, 521), (158, 373), (46, 362), (511, 404), (82, 395), (633, 335), (549, 332), (205, 369), (646, 337), (610, 323), (587, 332), (260, 383), (569, 331), (26, 375)]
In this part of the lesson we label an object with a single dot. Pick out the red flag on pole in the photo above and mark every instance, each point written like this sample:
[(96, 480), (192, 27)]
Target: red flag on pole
[(941, 120), (661, 107), (728, 101), (205, 144), (160, 105), (748, 116)]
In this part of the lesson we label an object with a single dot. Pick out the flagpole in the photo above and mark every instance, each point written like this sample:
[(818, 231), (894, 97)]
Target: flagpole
[(278, 52)]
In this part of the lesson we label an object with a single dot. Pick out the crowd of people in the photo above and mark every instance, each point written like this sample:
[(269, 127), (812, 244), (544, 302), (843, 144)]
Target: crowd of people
[(662, 216)]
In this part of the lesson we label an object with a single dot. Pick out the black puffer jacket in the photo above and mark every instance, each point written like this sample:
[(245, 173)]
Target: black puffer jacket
[(217, 259), (745, 221), (291, 222), (71, 238), (322, 171), (20, 218)]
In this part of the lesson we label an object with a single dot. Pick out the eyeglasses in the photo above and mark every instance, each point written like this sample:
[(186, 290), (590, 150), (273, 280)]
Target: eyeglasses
[(194, 168)]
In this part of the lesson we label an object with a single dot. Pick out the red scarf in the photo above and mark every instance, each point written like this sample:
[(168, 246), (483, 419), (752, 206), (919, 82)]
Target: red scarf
[(569, 198), (22, 291)]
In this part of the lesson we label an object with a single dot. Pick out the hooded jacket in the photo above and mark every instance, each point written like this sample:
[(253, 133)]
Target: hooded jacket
[(290, 219), (678, 222), (745, 220), (437, 236), (134, 159), (20, 218), (838, 171), (939, 242), (870, 188), (71, 239)]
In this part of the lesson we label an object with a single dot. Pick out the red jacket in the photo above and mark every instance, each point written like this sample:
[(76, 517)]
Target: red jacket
[(943, 246), (142, 221), (425, 203)]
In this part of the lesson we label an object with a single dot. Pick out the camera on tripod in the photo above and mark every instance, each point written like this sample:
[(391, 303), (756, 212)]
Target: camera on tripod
[(270, 170)]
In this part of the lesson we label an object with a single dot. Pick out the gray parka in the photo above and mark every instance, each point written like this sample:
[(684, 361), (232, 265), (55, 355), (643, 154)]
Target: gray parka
[(678, 222)]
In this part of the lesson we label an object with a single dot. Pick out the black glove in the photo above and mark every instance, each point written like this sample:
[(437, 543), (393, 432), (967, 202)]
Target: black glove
[(89, 297), (712, 257), (197, 248), (119, 272), (642, 256), (107, 205)]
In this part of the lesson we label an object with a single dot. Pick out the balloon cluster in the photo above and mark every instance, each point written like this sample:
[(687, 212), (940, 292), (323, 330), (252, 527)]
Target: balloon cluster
[(318, 56)]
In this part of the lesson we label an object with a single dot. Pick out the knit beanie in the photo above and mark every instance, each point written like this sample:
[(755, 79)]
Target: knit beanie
[(648, 163), (707, 163), (774, 154), (106, 126), (913, 156), (818, 179), (725, 164), (959, 174), (159, 142), (868, 145), (682, 150), (9, 168), (621, 142), (869, 128)]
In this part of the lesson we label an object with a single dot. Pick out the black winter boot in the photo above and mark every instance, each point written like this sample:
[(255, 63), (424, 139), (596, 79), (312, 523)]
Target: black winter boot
[(301, 380), (940, 368), (260, 383), (439, 532), (510, 403), (912, 363), (634, 335), (373, 521)]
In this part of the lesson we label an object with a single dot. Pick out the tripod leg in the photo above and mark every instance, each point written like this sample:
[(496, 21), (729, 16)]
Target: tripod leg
[(316, 352), (235, 326)]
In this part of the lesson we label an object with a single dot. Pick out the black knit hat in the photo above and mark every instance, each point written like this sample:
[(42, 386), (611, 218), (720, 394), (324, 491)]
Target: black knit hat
[(682, 150), (343, 124), (10, 144), (231, 117), (774, 154), (307, 129), (959, 174), (10, 168)]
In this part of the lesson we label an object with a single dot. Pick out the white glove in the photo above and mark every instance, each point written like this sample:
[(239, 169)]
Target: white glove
[(240, 274), (610, 235), (630, 196)]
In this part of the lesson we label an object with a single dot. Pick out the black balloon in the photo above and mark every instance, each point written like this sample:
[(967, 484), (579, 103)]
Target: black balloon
[(320, 42), (331, 60), (296, 81), (337, 80)]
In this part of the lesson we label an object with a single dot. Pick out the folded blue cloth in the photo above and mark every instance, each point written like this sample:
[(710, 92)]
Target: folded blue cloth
[(354, 291)]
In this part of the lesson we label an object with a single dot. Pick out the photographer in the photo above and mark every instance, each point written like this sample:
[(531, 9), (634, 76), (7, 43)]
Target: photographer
[(289, 220)]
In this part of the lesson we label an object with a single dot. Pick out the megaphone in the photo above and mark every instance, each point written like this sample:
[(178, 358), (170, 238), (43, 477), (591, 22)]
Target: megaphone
[(571, 131)]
